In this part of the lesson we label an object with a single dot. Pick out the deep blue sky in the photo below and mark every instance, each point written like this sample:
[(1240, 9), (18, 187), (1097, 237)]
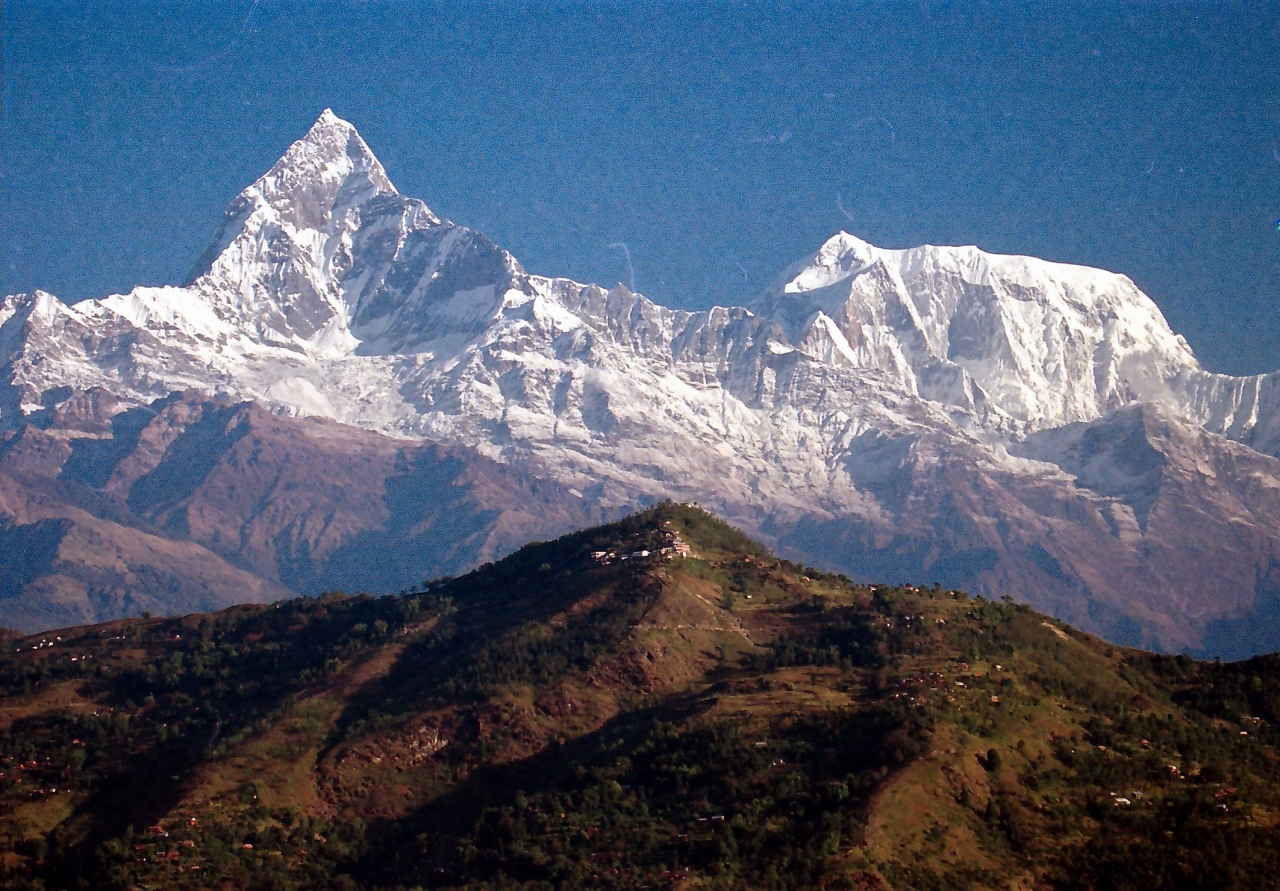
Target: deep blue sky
[(712, 140)]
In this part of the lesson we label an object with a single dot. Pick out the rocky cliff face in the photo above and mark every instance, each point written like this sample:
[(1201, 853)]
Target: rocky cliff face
[(1001, 423)]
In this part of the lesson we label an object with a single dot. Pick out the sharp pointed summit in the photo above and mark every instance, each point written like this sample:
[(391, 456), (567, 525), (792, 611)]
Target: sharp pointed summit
[(321, 184), (330, 154), (883, 411), (288, 246)]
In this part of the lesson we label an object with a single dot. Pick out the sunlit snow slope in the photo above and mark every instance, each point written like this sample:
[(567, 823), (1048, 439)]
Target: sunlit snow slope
[(884, 412)]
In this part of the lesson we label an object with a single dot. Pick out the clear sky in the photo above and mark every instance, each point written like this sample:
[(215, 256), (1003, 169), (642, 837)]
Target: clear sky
[(718, 142)]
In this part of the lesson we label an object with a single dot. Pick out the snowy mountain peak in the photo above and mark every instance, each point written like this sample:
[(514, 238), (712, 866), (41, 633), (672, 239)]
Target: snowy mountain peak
[(841, 257), (877, 403), (322, 266), (281, 266), (322, 178), (320, 182), (330, 121), (1038, 343), (332, 153)]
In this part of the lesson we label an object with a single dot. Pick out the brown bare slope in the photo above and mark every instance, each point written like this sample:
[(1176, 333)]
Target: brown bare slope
[(1150, 532), (1137, 527), (63, 566), (302, 504)]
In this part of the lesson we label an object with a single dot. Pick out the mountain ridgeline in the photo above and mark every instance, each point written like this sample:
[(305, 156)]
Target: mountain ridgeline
[(1000, 424), (659, 702)]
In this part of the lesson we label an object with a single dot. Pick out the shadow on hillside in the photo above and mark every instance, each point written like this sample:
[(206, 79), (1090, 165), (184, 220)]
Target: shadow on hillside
[(1258, 631), (502, 634), (92, 460), (29, 552), (125, 796), (443, 820), (187, 463), (434, 526)]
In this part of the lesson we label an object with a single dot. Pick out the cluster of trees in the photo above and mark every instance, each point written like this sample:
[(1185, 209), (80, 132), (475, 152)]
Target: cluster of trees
[(667, 790), (645, 804)]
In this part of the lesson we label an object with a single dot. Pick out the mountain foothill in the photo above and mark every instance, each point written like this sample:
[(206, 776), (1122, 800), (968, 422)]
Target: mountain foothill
[(656, 702)]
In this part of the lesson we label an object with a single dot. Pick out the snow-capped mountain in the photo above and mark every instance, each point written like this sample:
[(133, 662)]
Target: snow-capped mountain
[(887, 412), (1022, 344)]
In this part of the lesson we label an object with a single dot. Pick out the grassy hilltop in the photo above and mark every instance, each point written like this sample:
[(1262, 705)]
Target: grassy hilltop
[(584, 715)]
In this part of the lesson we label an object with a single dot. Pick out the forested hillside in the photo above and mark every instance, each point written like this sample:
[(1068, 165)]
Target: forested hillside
[(657, 703)]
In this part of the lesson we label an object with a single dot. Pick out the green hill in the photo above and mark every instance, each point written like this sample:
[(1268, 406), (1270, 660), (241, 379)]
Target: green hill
[(656, 703)]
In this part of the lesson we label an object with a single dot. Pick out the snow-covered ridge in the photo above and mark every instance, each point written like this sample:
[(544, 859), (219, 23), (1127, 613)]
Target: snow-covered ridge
[(325, 291), (1011, 425), (1025, 343)]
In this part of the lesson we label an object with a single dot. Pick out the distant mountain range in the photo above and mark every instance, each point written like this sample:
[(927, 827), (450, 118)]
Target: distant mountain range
[(350, 391)]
